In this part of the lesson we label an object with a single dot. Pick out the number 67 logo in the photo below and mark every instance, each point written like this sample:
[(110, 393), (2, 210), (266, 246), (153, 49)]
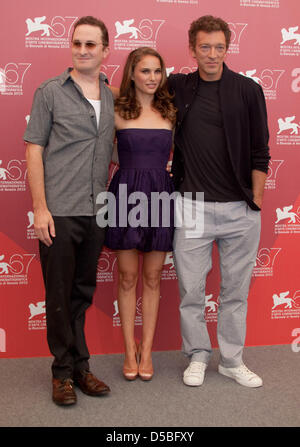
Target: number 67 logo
[(14, 73)]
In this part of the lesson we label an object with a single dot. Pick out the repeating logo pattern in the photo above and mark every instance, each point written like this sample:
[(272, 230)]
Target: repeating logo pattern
[(169, 271), (285, 305), (237, 29), (2, 81), (288, 131), (12, 77), (14, 269), (287, 220), (49, 33), (106, 265), (2, 340), (13, 176), (265, 261), (295, 345), (138, 317), (295, 85), (131, 34), (37, 316), (180, 2), (271, 180), (211, 308), (261, 3), (110, 70), (30, 232), (290, 43), (268, 79)]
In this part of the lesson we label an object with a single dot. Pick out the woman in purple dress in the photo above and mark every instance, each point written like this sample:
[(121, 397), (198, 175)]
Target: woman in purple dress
[(144, 118)]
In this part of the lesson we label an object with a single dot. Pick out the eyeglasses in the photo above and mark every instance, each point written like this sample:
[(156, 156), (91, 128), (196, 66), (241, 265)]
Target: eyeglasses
[(220, 49), (88, 45)]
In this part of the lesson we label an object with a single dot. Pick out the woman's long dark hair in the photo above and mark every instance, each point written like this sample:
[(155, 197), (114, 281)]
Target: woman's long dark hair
[(127, 104)]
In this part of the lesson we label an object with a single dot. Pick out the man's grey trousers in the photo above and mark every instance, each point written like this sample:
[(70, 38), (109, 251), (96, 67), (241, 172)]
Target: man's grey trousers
[(236, 229)]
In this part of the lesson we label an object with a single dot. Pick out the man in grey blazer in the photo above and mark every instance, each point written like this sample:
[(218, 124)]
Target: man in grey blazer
[(69, 146), (221, 149)]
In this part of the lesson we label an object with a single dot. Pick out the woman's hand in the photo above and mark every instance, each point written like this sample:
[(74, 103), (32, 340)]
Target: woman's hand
[(169, 167)]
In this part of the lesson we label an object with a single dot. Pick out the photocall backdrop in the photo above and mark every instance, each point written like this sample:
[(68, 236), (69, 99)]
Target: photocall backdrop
[(265, 46)]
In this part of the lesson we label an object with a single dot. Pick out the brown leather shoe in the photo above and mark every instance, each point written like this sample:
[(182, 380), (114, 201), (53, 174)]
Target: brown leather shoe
[(63, 392), (89, 384)]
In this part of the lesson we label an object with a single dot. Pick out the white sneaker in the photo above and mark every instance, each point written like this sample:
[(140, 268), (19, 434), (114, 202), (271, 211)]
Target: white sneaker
[(242, 375), (194, 374)]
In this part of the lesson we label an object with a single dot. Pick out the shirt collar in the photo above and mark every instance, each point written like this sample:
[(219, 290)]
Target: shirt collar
[(66, 75)]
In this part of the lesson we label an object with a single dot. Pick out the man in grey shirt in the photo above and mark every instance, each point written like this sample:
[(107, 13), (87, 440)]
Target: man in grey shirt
[(69, 147)]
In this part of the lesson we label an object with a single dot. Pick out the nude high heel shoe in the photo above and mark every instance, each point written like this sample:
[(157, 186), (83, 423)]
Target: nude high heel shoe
[(132, 373), (145, 374)]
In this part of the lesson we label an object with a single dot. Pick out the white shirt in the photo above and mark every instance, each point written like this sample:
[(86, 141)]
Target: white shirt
[(96, 103)]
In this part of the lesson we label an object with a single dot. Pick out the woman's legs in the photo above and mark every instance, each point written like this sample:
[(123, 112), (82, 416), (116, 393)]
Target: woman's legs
[(128, 265), (152, 267)]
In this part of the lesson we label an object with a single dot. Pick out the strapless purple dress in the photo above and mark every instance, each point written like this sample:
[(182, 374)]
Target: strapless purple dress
[(138, 218)]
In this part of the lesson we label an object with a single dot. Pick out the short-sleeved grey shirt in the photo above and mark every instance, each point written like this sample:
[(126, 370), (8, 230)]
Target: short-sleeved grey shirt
[(77, 152)]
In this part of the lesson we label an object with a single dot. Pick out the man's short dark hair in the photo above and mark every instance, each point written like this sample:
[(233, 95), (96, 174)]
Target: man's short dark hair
[(208, 24), (89, 20)]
